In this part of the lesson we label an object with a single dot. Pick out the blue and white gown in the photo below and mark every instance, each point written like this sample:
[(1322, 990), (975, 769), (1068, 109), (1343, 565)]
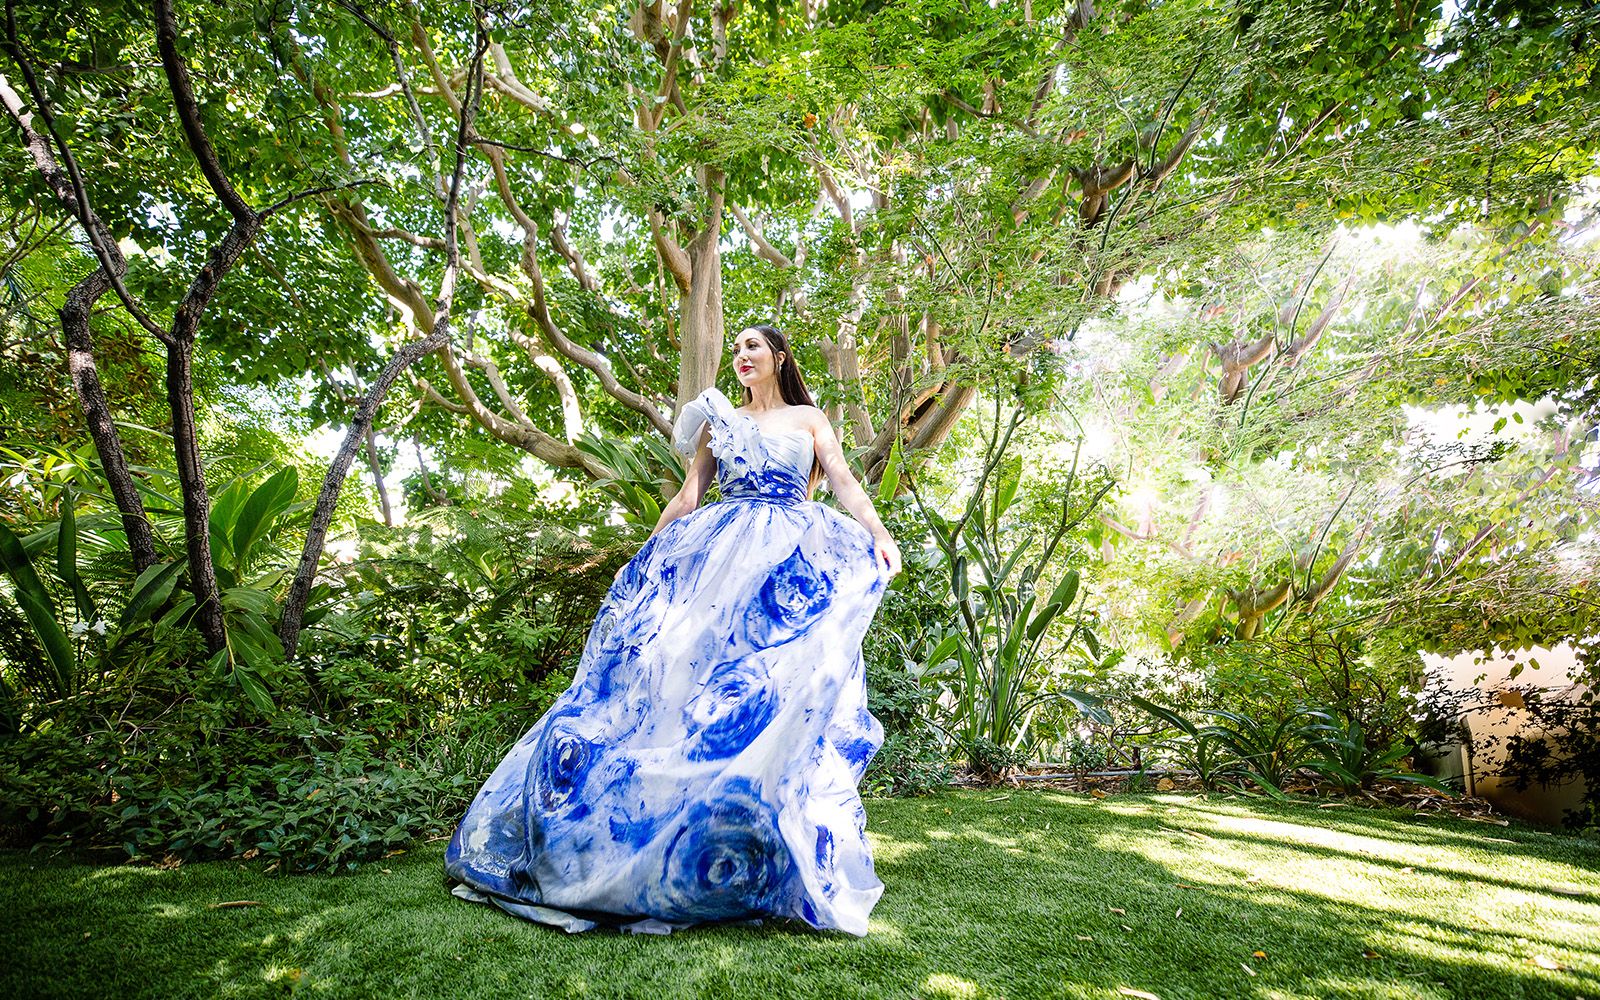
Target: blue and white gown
[(704, 764)]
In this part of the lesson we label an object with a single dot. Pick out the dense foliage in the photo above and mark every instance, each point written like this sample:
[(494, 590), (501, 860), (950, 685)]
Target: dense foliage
[(1210, 361)]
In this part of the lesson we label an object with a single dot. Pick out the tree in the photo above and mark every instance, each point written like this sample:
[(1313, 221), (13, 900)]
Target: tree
[(1023, 169), (1329, 488), (178, 336)]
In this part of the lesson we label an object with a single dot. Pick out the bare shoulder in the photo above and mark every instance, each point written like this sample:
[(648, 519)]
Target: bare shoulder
[(813, 419), (808, 414)]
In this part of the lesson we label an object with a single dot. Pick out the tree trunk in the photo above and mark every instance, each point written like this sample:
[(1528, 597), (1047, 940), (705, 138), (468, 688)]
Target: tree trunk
[(377, 478), (294, 605), (701, 331), (220, 260), (196, 500), (97, 416)]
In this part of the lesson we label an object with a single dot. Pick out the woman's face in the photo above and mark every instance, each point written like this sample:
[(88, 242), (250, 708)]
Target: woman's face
[(753, 358)]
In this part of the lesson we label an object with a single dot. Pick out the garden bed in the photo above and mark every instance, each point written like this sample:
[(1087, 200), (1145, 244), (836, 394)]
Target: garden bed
[(1098, 784)]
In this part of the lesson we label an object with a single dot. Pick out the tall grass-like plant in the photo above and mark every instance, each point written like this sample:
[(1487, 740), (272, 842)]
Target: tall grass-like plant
[(1198, 747), (1271, 749), (1351, 759), (991, 662)]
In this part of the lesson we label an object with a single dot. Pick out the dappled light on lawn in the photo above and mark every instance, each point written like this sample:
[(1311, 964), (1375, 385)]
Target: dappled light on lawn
[(947, 987), (1041, 894)]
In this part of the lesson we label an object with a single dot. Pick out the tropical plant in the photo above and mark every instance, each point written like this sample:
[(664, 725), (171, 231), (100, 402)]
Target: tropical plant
[(46, 658), (1270, 748), (243, 524), (33, 477), (1198, 747), (641, 474), (1347, 755), (991, 661)]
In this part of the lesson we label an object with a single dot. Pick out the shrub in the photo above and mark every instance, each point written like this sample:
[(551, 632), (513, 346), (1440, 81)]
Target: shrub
[(990, 760), (911, 762), (299, 791)]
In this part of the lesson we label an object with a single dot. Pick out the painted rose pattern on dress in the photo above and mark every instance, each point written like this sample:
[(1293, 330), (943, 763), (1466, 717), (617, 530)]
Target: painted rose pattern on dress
[(703, 765)]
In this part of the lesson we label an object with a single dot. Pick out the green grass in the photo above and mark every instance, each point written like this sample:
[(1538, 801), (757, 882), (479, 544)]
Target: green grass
[(989, 894)]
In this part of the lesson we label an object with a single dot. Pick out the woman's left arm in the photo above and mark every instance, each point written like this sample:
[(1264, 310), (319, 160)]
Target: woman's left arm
[(850, 493)]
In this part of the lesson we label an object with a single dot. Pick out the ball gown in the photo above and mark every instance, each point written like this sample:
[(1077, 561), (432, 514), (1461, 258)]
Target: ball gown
[(703, 765)]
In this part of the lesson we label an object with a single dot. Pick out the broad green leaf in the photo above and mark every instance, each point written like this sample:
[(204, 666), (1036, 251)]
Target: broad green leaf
[(254, 690), (251, 599), (150, 591), (255, 626), (1010, 650), (1066, 591), (67, 558), (1042, 620), (1164, 714), (890, 482), (942, 651), (224, 514), (266, 502), (1006, 492), (39, 610)]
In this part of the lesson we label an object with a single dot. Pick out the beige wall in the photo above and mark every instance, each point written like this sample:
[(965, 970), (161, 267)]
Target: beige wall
[(1557, 672)]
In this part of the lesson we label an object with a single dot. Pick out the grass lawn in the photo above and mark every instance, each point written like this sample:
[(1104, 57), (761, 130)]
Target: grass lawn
[(989, 894)]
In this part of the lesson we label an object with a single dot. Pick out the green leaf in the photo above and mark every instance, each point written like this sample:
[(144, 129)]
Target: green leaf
[(1066, 591), (1011, 563), (1006, 492), (942, 651), (250, 598), (267, 501), (255, 626), (889, 484), (224, 514), (67, 558), (254, 690), (1092, 706), (181, 608), (39, 609), (1165, 715), (150, 591), (1042, 620), (1012, 646)]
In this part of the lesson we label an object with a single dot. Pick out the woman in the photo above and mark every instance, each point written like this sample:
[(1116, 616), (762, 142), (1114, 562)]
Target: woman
[(703, 765)]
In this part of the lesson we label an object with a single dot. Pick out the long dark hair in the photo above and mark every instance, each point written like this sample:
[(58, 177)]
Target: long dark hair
[(791, 386)]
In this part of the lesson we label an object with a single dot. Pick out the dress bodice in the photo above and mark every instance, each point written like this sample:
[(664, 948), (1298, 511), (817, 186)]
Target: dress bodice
[(751, 463)]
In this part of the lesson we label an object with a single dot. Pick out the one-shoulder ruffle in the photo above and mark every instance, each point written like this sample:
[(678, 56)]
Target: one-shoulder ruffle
[(734, 441)]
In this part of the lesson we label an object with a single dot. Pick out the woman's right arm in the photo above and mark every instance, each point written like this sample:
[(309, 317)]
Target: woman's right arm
[(695, 483)]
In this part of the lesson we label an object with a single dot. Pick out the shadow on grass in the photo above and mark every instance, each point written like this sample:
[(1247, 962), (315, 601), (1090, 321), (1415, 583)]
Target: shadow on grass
[(1031, 894)]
